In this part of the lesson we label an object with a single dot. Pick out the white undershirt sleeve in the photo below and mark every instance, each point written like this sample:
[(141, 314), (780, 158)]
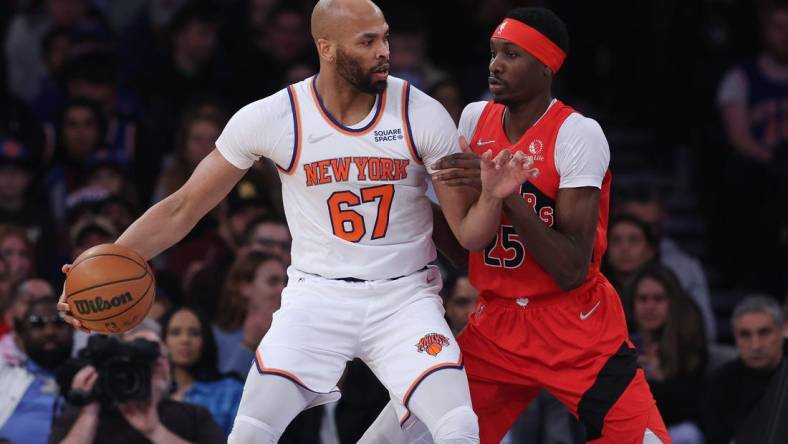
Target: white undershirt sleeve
[(582, 154), (470, 118), (264, 128)]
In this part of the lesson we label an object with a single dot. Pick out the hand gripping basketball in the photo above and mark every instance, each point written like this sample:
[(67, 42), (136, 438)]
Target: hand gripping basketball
[(109, 288)]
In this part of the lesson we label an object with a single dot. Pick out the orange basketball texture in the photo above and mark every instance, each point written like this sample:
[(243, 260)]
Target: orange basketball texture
[(110, 288), (434, 349)]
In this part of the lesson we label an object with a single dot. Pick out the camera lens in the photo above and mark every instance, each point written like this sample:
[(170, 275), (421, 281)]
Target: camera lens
[(124, 380)]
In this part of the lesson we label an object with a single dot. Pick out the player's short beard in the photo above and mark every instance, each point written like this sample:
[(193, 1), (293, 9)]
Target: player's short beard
[(351, 70)]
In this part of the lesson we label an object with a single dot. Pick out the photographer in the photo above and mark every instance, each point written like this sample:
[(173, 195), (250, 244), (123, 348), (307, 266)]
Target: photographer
[(156, 419)]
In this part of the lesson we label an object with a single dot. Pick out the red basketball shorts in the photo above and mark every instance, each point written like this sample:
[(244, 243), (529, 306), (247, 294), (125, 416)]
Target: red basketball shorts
[(574, 345)]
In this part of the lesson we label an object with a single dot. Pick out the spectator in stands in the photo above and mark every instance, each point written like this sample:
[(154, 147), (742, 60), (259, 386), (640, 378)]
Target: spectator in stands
[(17, 250), (646, 204), (118, 210), (158, 420), (29, 389), (16, 175), (195, 139), (107, 172), (56, 48), (27, 30), (750, 100), (21, 296), (737, 398), (409, 47), (667, 329), (17, 170), (268, 234), (89, 231), (246, 208), (80, 135), (91, 76), (143, 41), (459, 302), (448, 93), (189, 338), (275, 37), (193, 65), (630, 245), (252, 293)]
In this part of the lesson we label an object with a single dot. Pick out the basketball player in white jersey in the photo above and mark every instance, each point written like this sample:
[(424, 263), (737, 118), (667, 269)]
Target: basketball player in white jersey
[(351, 144)]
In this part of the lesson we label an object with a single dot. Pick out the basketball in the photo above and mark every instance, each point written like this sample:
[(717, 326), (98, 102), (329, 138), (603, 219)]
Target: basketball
[(110, 288)]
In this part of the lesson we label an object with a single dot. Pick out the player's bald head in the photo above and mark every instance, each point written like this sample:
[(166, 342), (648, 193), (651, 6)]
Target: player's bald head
[(331, 18)]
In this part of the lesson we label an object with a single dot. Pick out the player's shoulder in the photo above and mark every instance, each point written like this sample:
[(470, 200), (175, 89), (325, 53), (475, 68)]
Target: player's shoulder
[(473, 110), (578, 125), (275, 105), (469, 118), (416, 97)]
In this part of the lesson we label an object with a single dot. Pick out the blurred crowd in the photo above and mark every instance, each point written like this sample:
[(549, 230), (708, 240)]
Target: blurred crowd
[(107, 106)]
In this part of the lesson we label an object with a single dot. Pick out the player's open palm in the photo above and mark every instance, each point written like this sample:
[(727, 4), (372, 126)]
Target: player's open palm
[(504, 174)]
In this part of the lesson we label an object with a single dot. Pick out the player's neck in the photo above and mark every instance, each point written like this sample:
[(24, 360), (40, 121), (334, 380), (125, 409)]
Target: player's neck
[(346, 104), (522, 115)]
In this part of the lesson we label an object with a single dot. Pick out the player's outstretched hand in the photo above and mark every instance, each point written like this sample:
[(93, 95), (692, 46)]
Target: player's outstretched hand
[(62, 306), (459, 169), (504, 174)]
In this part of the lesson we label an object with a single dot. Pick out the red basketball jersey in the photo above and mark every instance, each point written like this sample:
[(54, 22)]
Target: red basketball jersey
[(505, 268)]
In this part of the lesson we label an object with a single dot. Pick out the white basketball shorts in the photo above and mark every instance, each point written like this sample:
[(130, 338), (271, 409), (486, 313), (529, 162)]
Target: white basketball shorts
[(395, 326)]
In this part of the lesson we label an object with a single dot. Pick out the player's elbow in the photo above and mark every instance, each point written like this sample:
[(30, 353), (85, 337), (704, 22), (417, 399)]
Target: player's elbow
[(475, 242), (571, 277)]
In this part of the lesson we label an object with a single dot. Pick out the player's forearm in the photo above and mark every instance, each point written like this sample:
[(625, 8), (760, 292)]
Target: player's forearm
[(444, 239), (560, 256), (480, 224), (159, 228)]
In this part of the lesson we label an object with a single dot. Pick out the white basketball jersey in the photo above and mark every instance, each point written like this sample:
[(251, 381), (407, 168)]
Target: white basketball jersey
[(354, 197)]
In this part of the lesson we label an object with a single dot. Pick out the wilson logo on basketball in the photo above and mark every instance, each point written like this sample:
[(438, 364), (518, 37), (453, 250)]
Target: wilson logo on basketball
[(87, 306), (432, 344)]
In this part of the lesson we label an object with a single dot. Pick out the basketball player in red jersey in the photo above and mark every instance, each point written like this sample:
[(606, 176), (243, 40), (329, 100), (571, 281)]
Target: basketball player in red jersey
[(546, 317)]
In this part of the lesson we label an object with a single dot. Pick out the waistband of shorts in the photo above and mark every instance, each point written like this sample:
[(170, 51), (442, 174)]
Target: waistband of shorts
[(353, 279), (544, 300)]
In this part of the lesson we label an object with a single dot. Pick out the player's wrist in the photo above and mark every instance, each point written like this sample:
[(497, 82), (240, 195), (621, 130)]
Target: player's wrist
[(488, 199)]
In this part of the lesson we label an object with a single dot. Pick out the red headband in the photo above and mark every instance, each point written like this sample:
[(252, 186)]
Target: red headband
[(532, 41)]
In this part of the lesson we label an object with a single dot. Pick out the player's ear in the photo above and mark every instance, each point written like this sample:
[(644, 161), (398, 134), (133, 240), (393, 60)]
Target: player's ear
[(326, 50)]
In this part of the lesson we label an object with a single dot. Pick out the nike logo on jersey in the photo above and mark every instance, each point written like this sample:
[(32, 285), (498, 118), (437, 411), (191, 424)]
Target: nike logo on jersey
[(584, 316), (314, 139), (484, 142)]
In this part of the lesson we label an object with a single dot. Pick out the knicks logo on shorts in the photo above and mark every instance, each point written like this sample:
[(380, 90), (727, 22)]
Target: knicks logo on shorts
[(432, 343)]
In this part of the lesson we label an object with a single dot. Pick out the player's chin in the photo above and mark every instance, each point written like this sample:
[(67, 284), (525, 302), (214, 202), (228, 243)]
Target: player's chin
[(379, 86), (503, 99)]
